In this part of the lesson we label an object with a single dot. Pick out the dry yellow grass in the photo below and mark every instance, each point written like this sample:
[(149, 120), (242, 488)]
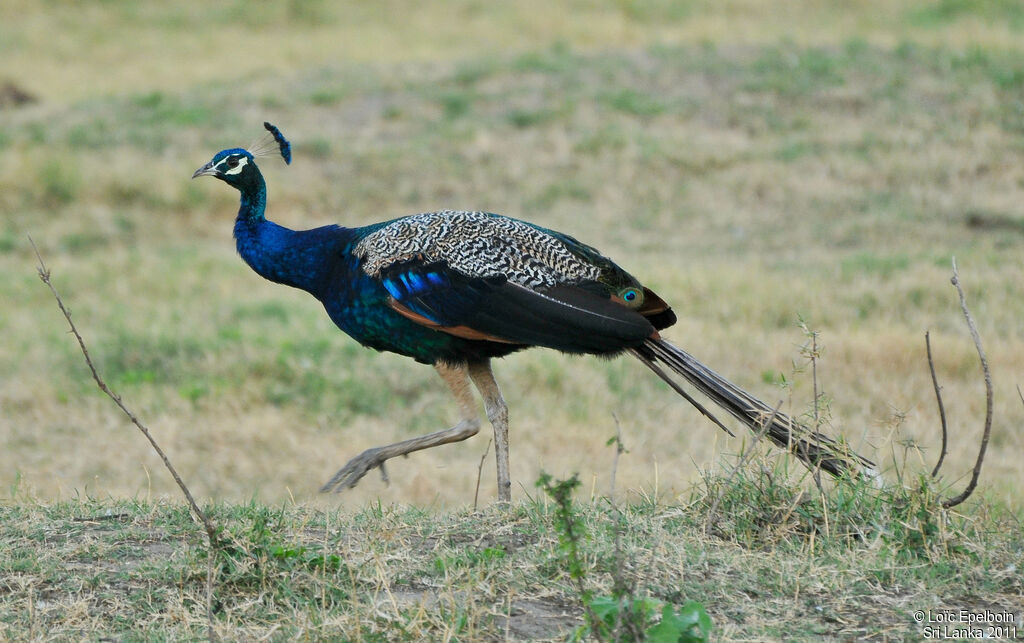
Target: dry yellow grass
[(755, 188)]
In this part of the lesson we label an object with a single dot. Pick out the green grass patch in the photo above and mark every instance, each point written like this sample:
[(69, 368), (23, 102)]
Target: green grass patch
[(455, 104), (868, 263), (792, 71), (944, 12), (868, 556), (526, 118), (635, 103), (60, 181)]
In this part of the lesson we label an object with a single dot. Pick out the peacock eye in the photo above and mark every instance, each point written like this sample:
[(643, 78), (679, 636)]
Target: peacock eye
[(233, 162)]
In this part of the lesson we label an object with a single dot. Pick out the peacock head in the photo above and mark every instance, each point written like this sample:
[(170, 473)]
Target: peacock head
[(237, 167)]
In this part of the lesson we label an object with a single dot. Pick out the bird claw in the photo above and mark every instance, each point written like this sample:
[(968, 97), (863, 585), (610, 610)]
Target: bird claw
[(348, 476)]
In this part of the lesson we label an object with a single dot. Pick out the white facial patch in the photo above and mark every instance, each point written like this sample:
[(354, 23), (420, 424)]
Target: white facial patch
[(242, 162)]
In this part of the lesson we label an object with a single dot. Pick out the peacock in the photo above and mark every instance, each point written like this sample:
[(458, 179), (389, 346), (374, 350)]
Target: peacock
[(456, 289)]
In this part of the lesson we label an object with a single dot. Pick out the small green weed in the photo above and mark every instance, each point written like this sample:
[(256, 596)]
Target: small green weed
[(256, 554), (469, 559), (623, 616)]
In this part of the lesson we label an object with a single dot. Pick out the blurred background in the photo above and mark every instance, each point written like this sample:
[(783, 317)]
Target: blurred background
[(760, 165)]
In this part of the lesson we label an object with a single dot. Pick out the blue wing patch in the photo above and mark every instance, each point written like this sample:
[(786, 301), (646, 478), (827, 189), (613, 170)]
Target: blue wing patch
[(434, 290)]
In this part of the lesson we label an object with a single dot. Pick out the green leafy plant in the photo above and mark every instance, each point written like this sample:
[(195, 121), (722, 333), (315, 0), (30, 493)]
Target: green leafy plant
[(622, 616)]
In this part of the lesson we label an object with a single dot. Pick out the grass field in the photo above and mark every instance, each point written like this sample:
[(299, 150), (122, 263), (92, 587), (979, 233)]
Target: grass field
[(138, 570), (755, 166)]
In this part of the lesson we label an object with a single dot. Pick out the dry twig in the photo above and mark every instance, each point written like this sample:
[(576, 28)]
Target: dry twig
[(938, 400), (952, 502), (200, 515), (479, 472)]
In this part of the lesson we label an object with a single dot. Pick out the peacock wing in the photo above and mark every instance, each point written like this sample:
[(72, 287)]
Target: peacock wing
[(574, 318)]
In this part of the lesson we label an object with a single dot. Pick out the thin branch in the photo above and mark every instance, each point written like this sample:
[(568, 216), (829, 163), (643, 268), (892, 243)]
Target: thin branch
[(814, 376), (952, 502), (938, 400), (44, 274), (816, 471), (211, 530), (479, 472)]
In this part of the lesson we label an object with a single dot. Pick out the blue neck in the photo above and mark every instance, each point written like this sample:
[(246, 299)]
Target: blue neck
[(301, 259), (254, 201)]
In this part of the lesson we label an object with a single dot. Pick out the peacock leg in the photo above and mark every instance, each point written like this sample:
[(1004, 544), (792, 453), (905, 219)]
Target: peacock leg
[(468, 426), (497, 413)]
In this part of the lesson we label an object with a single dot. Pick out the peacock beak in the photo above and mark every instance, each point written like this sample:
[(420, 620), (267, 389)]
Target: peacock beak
[(205, 170)]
